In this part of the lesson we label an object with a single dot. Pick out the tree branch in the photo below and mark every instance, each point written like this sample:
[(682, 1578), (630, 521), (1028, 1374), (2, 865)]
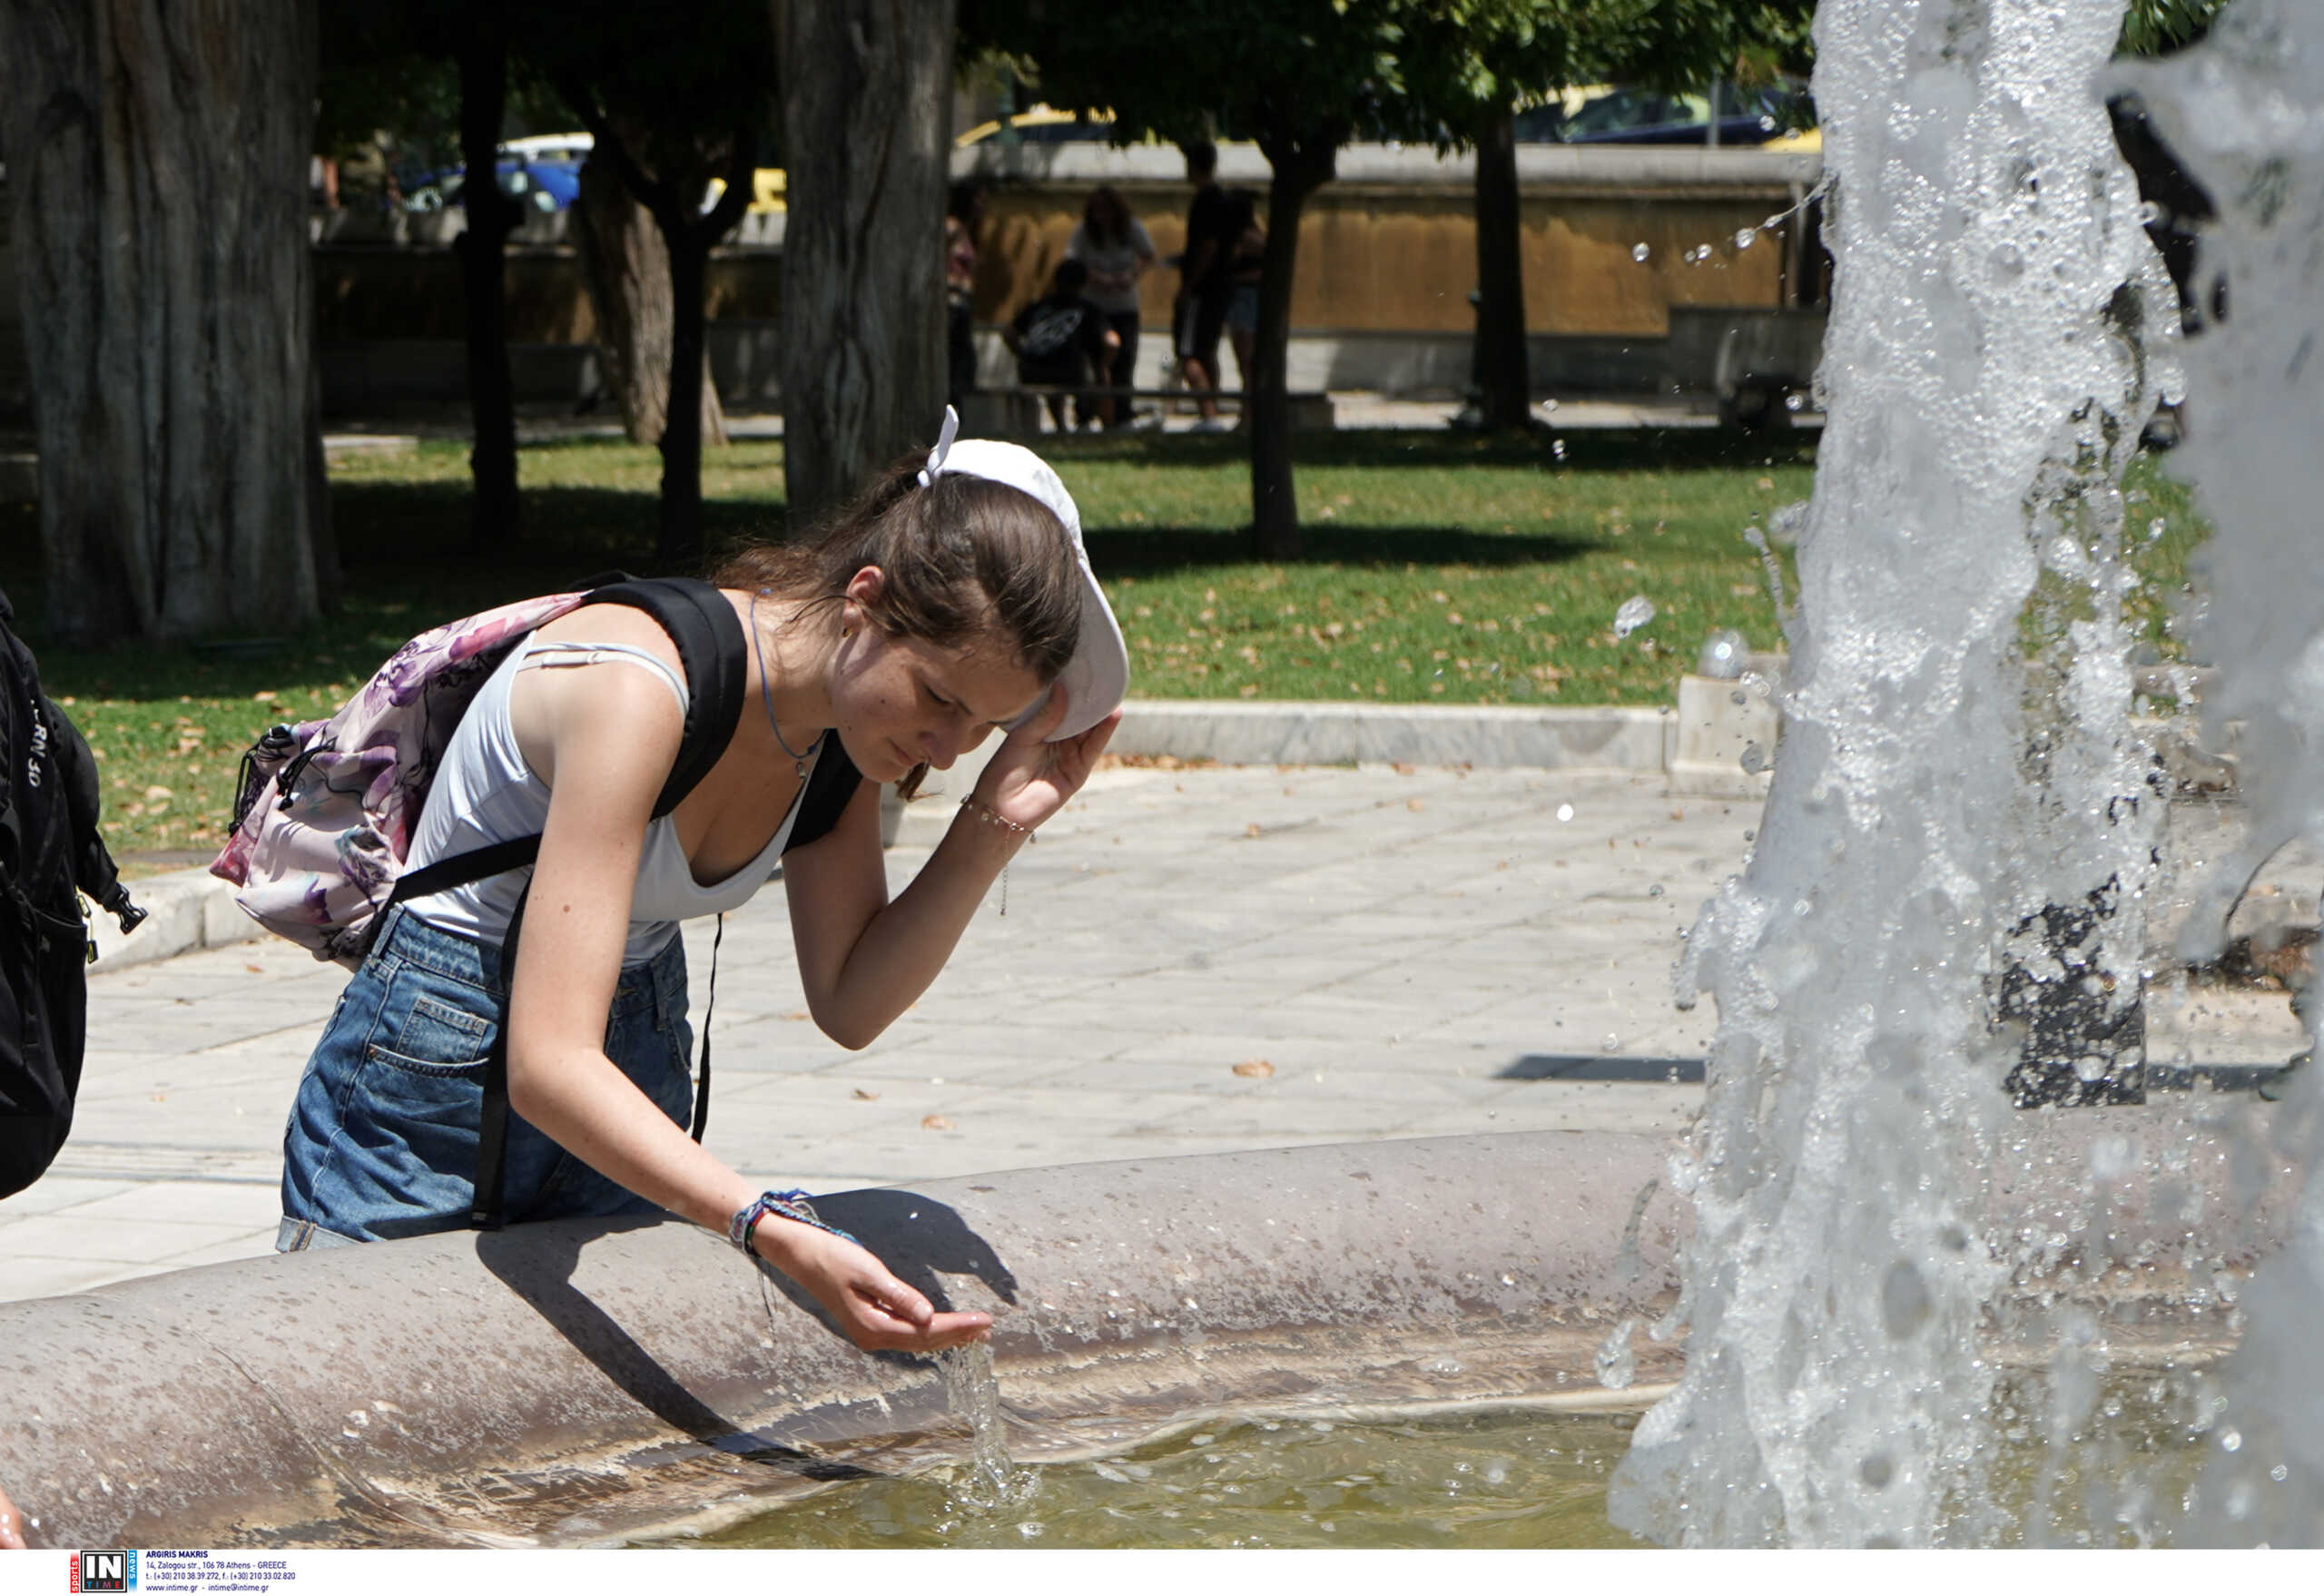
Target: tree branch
[(742, 167), (651, 193)]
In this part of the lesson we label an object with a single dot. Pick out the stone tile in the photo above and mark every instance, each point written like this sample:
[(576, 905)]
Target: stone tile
[(189, 1201), (55, 1192), (23, 1276), (116, 1240)]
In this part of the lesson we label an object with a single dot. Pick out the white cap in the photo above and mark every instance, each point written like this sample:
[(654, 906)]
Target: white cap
[(1097, 676)]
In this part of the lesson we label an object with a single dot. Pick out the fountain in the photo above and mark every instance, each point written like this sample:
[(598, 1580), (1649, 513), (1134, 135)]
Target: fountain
[(1961, 780), (1894, 1276)]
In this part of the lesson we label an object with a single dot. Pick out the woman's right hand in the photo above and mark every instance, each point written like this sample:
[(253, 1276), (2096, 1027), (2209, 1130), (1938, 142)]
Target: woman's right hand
[(879, 1312), (12, 1526)]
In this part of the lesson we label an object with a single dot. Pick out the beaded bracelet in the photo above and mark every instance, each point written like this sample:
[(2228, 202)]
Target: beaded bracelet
[(991, 816), (789, 1205)]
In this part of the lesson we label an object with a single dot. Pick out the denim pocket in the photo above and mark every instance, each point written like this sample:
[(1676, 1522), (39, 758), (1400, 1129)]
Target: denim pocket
[(435, 1039)]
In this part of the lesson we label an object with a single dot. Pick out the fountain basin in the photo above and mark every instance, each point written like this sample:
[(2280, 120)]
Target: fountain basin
[(581, 1382)]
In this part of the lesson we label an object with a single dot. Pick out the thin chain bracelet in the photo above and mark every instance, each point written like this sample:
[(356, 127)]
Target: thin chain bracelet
[(991, 816)]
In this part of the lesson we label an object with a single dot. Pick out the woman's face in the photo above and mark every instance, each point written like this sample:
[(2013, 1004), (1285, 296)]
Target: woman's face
[(899, 702)]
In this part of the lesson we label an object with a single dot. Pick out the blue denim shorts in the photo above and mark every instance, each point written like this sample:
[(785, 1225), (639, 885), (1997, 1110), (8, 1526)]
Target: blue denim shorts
[(382, 1139)]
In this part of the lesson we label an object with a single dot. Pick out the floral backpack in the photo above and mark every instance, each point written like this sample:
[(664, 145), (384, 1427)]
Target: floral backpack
[(325, 811)]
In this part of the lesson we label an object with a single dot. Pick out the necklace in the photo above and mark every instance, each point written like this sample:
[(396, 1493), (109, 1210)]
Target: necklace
[(798, 756)]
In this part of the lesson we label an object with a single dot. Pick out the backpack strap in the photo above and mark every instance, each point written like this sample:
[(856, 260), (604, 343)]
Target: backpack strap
[(715, 651), (831, 784), (715, 656)]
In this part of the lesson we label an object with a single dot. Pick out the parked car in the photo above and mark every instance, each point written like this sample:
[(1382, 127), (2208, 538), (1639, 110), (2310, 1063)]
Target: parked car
[(540, 184), (1620, 116)]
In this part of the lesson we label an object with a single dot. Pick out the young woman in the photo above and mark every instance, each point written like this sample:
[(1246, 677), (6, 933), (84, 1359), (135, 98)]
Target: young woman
[(950, 602), (1114, 245)]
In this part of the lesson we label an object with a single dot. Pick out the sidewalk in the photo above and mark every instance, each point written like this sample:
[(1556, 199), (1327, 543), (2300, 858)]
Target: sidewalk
[(1385, 952)]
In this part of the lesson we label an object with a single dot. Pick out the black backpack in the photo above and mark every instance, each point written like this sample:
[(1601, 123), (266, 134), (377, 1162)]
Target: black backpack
[(49, 847)]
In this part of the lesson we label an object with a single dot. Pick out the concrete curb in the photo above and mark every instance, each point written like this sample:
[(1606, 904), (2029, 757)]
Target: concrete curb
[(638, 1372), (1264, 732), (185, 910), (190, 909)]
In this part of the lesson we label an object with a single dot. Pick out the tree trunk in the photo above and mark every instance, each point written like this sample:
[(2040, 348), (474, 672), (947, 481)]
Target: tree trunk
[(1508, 396), (492, 393), (628, 268), (678, 542), (158, 159), (1300, 168), (866, 90)]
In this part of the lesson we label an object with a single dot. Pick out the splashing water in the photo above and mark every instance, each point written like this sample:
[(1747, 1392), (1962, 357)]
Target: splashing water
[(2000, 328), (1636, 611), (991, 1482), (2244, 114)]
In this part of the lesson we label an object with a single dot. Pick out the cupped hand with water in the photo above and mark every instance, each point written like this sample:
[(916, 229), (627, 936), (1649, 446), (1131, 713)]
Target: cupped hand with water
[(877, 1311), (1030, 778)]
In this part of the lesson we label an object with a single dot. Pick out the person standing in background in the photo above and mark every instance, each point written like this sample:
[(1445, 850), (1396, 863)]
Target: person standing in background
[(1206, 282), (1114, 246), (962, 214), (1244, 272)]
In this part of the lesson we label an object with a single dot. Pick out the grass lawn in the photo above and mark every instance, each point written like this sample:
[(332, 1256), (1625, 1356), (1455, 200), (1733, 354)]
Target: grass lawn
[(1438, 568)]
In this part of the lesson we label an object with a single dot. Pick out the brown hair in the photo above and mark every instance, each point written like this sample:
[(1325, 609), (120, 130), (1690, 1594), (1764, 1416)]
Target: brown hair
[(1106, 217), (967, 560)]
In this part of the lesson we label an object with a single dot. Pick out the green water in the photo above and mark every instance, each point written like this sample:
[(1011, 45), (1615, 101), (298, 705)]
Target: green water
[(1494, 1478)]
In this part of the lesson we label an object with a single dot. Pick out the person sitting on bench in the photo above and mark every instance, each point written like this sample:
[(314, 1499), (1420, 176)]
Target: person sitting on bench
[(1063, 340)]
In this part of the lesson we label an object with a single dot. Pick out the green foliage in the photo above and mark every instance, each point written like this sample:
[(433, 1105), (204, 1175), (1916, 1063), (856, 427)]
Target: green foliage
[(1417, 70), (389, 90), (679, 90), (2157, 27)]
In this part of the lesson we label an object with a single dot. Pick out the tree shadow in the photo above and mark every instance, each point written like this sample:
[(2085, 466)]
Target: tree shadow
[(1150, 551), (1597, 448)]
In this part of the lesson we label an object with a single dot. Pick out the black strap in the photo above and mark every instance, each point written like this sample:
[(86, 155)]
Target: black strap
[(829, 786), (715, 651), (709, 1009), (492, 1123), (716, 656)]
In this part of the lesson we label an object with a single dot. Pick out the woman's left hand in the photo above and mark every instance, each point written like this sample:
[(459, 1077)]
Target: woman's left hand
[(1030, 778)]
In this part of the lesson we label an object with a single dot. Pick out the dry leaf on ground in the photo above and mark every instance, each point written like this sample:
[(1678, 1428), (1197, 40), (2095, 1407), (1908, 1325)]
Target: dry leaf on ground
[(1254, 1068), (935, 1122), (863, 1097)]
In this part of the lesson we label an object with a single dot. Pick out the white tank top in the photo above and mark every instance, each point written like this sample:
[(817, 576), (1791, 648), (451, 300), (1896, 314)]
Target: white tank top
[(484, 793)]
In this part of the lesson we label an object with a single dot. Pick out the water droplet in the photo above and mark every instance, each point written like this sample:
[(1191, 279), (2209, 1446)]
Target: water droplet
[(2230, 1439), (1744, 236), (1549, 405), (1795, 401), (1565, 811), (2280, 1473), (1754, 759), (1616, 1362), (1557, 448), (2155, 529), (2150, 214), (1655, 890), (1721, 658), (1636, 611), (1638, 253)]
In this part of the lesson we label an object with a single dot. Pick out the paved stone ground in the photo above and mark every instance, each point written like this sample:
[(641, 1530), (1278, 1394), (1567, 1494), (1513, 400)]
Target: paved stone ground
[(1414, 952)]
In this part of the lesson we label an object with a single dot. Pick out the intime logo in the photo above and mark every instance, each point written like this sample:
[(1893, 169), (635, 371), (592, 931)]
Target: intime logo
[(104, 1571)]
